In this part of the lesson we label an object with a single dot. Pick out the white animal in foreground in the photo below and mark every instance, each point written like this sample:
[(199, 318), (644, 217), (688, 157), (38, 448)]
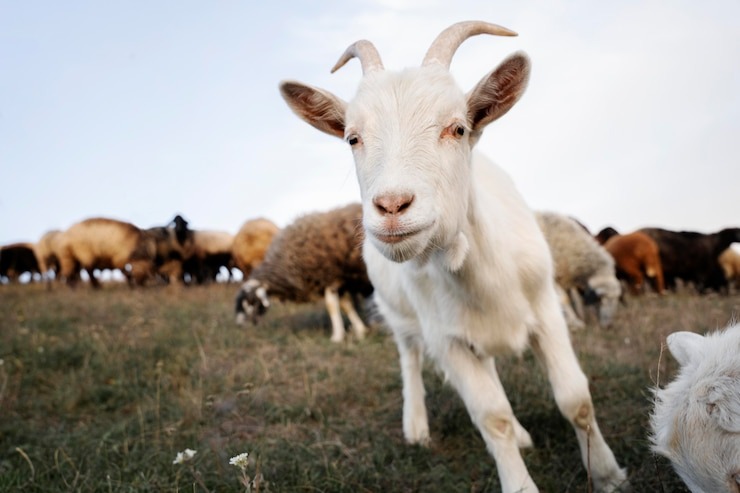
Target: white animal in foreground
[(460, 267), (696, 421)]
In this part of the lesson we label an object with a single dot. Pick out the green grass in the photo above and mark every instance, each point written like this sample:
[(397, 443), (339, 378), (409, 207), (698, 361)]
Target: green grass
[(99, 390)]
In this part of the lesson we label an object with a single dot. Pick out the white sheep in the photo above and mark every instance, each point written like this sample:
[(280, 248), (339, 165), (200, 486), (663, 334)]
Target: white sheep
[(581, 265), (317, 255), (460, 267), (696, 420)]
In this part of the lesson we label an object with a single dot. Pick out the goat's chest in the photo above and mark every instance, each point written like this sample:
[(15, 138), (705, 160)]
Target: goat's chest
[(490, 315)]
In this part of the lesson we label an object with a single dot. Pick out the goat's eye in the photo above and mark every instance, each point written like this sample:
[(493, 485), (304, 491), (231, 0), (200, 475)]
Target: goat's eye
[(456, 130)]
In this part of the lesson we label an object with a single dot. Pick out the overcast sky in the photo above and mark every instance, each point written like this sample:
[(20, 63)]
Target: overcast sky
[(139, 110)]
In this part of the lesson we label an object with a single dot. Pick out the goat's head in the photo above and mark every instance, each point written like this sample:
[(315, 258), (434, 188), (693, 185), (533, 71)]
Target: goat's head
[(411, 133), (696, 421), (251, 301)]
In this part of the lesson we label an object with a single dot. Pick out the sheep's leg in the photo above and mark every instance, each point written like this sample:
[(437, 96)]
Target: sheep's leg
[(331, 297), (573, 321), (576, 300), (478, 384), (552, 345), (358, 326)]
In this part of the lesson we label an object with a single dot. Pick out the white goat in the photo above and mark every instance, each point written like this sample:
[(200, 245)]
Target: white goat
[(460, 267), (696, 421)]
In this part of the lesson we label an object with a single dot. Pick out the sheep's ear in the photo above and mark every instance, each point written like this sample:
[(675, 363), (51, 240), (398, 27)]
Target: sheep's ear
[(685, 346), (497, 92), (723, 403), (319, 108)]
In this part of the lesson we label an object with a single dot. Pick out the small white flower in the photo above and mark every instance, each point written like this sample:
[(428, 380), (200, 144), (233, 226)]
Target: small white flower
[(184, 456), (241, 461)]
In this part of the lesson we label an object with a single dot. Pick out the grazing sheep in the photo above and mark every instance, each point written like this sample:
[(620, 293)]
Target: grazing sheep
[(459, 266), (211, 251), (317, 255), (580, 263), (17, 259), (637, 257), (251, 243), (174, 244), (696, 420), (693, 257), (102, 243), (47, 251), (729, 260)]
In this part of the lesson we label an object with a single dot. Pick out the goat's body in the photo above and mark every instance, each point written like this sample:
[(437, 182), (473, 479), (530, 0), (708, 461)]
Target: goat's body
[(502, 298), (460, 267)]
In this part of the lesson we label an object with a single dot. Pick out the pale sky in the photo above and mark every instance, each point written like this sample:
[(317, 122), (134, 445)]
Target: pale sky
[(140, 110)]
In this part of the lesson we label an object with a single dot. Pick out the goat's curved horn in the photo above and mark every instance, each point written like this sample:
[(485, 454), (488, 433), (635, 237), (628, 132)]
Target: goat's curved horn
[(449, 40), (365, 51)]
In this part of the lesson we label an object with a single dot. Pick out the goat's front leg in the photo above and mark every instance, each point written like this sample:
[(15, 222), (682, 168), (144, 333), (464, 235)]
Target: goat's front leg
[(552, 345), (331, 297), (523, 439), (358, 326), (478, 384), (415, 420)]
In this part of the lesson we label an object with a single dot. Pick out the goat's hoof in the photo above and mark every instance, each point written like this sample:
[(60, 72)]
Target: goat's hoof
[(615, 483)]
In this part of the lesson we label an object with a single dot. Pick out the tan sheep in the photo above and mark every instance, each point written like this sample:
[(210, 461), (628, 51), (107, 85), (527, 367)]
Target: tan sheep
[(729, 260), (47, 252), (102, 243), (251, 243)]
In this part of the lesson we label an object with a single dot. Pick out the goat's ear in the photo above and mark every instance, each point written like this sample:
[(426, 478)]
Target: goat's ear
[(723, 403), (497, 92), (319, 108), (685, 346)]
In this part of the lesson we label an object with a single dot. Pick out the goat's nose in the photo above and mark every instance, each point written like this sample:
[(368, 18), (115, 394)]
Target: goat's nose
[(393, 203)]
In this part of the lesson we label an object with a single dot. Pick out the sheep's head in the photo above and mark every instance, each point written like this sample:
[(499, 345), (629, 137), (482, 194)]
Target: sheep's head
[(607, 291), (411, 134), (696, 421), (251, 302)]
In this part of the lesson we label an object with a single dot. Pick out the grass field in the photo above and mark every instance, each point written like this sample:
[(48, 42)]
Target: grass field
[(99, 391)]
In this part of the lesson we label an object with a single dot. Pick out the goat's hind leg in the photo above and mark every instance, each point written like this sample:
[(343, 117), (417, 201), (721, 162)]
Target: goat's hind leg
[(552, 345)]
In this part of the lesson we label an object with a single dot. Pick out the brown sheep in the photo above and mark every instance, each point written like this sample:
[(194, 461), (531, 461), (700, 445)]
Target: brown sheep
[(636, 256), (174, 245), (102, 243), (17, 259), (211, 251), (251, 244), (317, 255), (730, 262)]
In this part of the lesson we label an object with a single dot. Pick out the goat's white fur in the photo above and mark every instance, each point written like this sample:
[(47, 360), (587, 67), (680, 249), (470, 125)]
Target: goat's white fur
[(463, 271), (696, 420)]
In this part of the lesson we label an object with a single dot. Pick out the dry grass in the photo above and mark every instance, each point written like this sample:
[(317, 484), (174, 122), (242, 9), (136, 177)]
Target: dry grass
[(100, 390)]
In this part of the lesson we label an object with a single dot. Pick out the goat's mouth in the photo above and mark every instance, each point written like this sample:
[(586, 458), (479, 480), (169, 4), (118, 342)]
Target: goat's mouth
[(394, 238)]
